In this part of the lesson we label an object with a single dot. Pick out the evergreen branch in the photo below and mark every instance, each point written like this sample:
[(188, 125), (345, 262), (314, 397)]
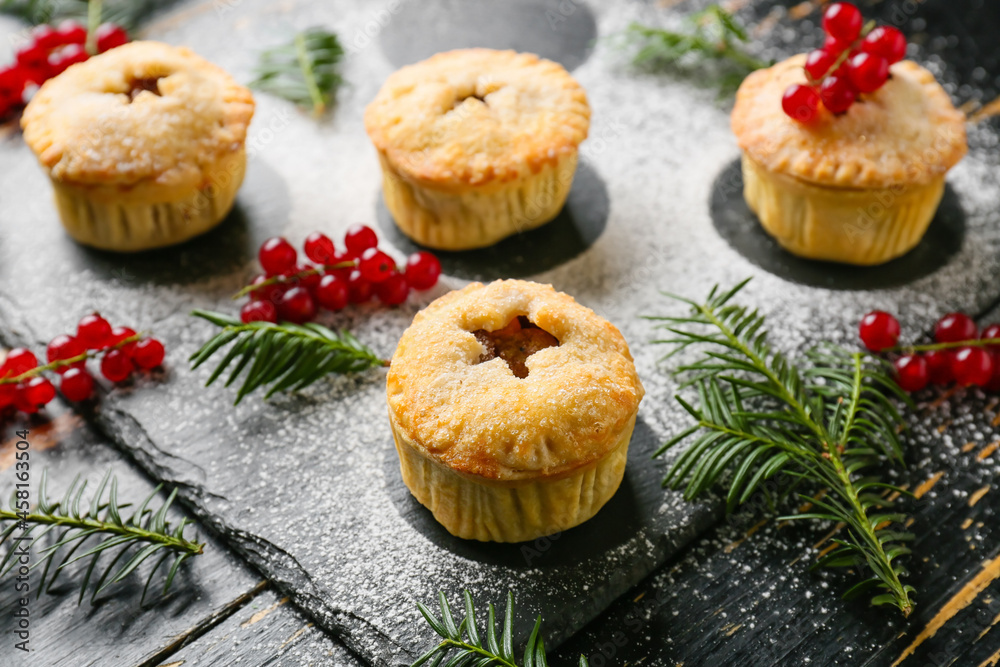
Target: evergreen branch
[(714, 34), (463, 645), (831, 423), (97, 529), (125, 13), (285, 356), (303, 71)]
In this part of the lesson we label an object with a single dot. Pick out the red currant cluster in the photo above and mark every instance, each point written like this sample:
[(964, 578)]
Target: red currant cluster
[(960, 354), (49, 52), (852, 61), (294, 292), (24, 386)]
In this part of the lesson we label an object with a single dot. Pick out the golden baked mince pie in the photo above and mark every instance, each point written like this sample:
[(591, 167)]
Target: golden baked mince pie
[(144, 145), (477, 145), (845, 149), (512, 407)]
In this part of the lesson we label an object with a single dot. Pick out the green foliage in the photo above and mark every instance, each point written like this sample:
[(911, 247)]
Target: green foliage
[(463, 644), (126, 13), (93, 529), (303, 71), (285, 356), (713, 35), (831, 425)]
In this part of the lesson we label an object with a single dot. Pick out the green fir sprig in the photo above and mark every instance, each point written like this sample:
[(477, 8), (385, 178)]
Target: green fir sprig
[(125, 13), (83, 530), (830, 423), (713, 35), (285, 356), (303, 71), (462, 643)]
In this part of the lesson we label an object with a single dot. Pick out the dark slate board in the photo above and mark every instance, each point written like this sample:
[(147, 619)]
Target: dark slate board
[(307, 487), (116, 629)]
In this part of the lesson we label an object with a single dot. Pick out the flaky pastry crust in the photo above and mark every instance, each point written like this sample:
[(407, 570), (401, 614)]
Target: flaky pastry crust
[(475, 116), (481, 421), (905, 133), (91, 125)]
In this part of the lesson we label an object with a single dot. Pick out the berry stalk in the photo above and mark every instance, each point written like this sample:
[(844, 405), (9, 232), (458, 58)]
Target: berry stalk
[(70, 361), (294, 277)]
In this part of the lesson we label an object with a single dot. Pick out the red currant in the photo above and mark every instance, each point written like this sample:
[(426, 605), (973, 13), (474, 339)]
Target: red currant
[(309, 281), (93, 331), (71, 32), (359, 238), (992, 332), (994, 383), (879, 330), (110, 36), (8, 396), (23, 403), (19, 361), (118, 334), (422, 270), (33, 57), (393, 290), (277, 256), (319, 248), (258, 311), (955, 327), (62, 59), (270, 292), (375, 265), (115, 366), (837, 93), (818, 64), (62, 347), (39, 391), (45, 37), (800, 102), (939, 364), (843, 21), (867, 72), (297, 305), (885, 41), (12, 82), (972, 366), (912, 373), (332, 292), (835, 46), (148, 353), (77, 384), (359, 289)]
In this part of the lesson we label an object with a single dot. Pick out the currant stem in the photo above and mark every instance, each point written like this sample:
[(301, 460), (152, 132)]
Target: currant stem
[(932, 347), (60, 363), (277, 280), (844, 55)]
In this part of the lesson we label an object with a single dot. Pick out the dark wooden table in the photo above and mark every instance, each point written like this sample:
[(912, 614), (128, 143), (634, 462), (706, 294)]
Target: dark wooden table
[(740, 593)]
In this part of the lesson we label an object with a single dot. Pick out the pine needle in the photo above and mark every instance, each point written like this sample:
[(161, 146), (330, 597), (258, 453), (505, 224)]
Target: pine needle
[(81, 531), (463, 644), (713, 35), (303, 71), (285, 356), (831, 423), (125, 13)]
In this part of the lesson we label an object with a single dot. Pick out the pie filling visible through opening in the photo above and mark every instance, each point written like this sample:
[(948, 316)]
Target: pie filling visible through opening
[(517, 341), (149, 84)]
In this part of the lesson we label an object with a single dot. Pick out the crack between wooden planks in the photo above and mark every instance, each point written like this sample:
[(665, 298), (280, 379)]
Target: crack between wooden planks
[(202, 627)]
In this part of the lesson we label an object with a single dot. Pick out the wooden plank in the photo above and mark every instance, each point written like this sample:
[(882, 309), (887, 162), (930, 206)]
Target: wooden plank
[(116, 629), (268, 631)]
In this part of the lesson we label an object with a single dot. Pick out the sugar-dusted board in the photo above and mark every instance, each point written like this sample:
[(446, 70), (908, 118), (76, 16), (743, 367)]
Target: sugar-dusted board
[(307, 486)]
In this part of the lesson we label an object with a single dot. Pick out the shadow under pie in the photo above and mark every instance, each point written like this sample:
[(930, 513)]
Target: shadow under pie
[(577, 227), (739, 226)]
